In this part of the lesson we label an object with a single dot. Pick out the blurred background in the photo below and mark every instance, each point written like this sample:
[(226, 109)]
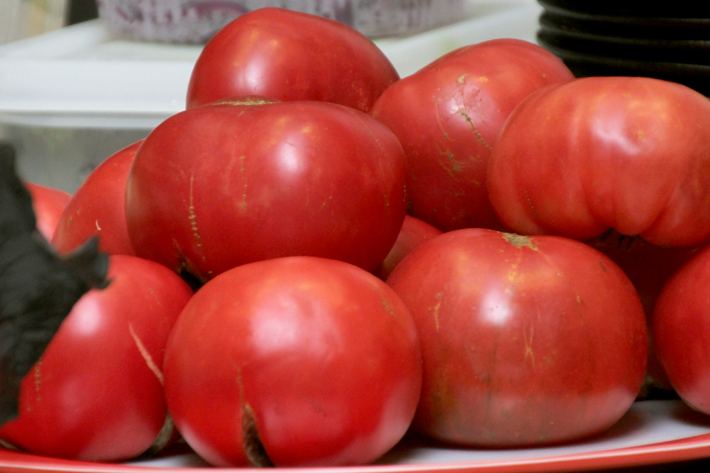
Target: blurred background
[(80, 79), (25, 18)]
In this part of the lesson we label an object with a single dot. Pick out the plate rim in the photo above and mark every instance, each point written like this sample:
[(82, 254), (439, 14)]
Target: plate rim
[(689, 448)]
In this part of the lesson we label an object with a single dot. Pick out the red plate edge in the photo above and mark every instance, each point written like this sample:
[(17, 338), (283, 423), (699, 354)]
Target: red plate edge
[(688, 448)]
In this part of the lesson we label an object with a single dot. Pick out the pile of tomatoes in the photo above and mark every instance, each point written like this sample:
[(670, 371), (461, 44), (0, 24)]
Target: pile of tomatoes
[(317, 256)]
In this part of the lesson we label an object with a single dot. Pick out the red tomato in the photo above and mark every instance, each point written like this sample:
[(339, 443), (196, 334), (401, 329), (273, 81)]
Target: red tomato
[(649, 267), (525, 340), (218, 186), (681, 330), (293, 361), (413, 233), (627, 153), (96, 393), (448, 116), (287, 55), (98, 207), (48, 204)]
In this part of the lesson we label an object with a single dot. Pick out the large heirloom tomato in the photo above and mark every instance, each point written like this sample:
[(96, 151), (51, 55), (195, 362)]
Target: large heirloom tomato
[(525, 340), (96, 393), (293, 361), (218, 186), (287, 55), (681, 331), (447, 117), (99, 207), (627, 153)]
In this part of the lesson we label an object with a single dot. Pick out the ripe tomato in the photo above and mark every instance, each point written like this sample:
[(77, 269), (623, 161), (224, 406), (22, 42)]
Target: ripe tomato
[(413, 233), (525, 340), (649, 267), (96, 393), (681, 331), (293, 361), (99, 207), (218, 186), (287, 55), (627, 153), (48, 204), (448, 116)]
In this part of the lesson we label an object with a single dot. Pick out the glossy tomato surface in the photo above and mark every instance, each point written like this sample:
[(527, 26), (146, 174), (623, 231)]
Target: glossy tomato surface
[(99, 207), (218, 186), (448, 116), (413, 233), (48, 204), (96, 393), (287, 55), (293, 361), (681, 330), (525, 341), (627, 153)]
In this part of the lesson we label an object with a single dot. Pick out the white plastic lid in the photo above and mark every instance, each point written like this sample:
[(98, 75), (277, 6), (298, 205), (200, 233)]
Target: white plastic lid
[(81, 76)]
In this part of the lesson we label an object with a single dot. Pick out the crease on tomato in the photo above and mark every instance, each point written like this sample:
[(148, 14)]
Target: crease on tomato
[(520, 241), (251, 441), (192, 218), (145, 354), (252, 445)]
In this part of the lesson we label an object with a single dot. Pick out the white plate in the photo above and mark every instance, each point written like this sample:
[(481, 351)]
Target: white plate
[(652, 432)]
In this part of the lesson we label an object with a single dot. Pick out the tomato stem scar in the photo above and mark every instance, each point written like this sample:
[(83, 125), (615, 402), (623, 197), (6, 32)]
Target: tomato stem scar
[(519, 241)]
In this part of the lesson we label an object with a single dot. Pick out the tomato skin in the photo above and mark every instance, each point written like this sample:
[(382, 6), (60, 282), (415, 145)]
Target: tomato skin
[(447, 117), (48, 204), (93, 395), (525, 341), (287, 55), (649, 267), (634, 154), (413, 233), (292, 181), (681, 331), (323, 355), (99, 207)]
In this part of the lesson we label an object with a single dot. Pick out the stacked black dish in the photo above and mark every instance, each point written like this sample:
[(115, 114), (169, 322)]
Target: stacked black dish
[(664, 39)]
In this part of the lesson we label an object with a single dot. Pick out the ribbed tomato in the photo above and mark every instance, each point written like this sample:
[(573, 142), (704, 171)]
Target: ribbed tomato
[(628, 153)]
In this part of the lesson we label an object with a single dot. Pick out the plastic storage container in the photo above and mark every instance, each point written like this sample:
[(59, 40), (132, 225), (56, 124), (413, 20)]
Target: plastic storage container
[(70, 98), (195, 21)]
